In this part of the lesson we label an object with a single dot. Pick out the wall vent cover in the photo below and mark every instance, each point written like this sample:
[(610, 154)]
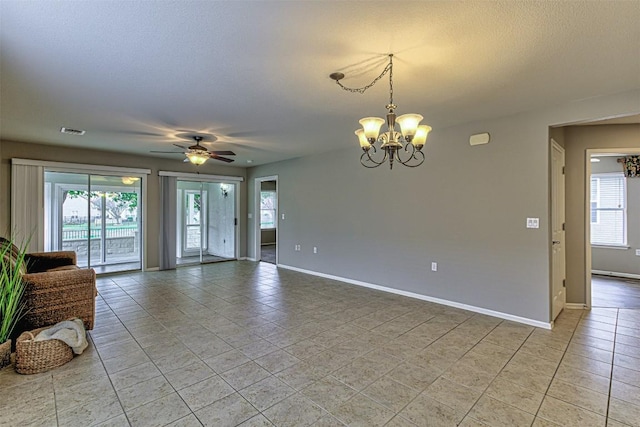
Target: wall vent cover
[(72, 131)]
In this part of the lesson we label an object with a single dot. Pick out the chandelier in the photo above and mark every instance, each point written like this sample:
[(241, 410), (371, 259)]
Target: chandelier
[(409, 141)]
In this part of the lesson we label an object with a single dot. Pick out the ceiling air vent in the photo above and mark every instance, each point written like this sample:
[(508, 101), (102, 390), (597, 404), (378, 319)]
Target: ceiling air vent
[(72, 131)]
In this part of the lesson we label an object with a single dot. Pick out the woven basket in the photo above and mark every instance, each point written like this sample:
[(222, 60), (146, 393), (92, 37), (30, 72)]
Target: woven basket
[(33, 357)]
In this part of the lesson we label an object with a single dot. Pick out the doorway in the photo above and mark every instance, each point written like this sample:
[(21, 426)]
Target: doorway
[(558, 261), (205, 222), (267, 219), (612, 232), (96, 216)]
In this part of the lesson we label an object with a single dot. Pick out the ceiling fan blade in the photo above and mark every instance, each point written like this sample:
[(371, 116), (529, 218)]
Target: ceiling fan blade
[(170, 152), (223, 153), (181, 146), (223, 159)]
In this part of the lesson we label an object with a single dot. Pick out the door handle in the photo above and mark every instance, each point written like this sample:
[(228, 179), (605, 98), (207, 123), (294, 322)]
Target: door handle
[(556, 242)]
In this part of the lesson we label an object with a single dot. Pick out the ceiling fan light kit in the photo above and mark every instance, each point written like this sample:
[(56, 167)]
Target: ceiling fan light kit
[(410, 139), (197, 157)]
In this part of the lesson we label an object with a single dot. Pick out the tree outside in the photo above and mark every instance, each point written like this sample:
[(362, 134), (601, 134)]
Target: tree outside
[(117, 204)]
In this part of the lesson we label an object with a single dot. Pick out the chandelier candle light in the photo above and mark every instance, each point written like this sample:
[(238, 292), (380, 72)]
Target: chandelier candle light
[(412, 135)]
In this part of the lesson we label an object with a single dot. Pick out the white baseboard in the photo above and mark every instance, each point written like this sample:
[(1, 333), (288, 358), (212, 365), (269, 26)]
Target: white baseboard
[(615, 274), (246, 258), (152, 269), (267, 244), (575, 306), (506, 316)]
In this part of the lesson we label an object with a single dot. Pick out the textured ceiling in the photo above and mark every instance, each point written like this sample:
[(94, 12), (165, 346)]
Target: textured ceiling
[(135, 74)]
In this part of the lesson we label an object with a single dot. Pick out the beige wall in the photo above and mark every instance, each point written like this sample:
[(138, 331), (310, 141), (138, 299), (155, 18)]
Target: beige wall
[(465, 208), (577, 140), (94, 157)]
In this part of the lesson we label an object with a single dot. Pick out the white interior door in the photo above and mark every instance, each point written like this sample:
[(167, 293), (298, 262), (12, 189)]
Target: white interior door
[(557, 227)]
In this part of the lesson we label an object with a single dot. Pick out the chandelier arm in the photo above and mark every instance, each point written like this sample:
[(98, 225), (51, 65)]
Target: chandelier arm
[(421, 155), (384, 158), (364, 88), (371, 159), (371, 165), (419, 159)]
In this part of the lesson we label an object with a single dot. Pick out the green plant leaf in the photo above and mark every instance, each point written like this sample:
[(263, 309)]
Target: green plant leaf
[(11, 287)]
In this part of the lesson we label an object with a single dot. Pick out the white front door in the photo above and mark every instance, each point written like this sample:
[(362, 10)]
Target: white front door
[(557, 226)]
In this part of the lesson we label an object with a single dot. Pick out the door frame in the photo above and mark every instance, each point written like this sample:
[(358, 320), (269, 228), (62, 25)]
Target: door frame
[(257, 186), (587, 212), (56, 191), (211, 179), (555, 146)]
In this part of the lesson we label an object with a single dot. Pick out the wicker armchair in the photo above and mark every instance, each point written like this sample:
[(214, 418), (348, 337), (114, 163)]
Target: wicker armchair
[(56, 289)]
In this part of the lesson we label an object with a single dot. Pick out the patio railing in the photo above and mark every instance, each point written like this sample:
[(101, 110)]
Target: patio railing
[(96, 233)]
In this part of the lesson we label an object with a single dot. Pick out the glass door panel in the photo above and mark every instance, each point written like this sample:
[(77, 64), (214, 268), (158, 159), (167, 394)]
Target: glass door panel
[(119, 228), (190, 217), (96, 223), (67, 214), (222, 228), (95, 216)]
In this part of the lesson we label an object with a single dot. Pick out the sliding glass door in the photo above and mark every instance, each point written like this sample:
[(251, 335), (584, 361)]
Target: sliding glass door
[(97, 216), (206, 223)]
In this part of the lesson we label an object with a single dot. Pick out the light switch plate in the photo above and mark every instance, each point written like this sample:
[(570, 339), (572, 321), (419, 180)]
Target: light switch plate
[(533, 222), (637, 252)]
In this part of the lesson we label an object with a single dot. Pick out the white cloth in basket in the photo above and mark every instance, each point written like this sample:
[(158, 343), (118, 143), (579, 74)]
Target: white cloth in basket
[(71, 332)]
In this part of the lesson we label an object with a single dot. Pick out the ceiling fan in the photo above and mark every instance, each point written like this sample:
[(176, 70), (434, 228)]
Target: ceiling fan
[(197, 154)]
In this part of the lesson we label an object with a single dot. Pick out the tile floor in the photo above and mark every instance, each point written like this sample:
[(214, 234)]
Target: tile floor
[(243, 343), (607, 291)]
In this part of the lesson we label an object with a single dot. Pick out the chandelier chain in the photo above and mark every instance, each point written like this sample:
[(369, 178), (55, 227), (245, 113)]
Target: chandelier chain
[(391, 80), (388, 68)]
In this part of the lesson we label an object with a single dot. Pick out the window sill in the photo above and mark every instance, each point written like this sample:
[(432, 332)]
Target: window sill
[(618, 247)]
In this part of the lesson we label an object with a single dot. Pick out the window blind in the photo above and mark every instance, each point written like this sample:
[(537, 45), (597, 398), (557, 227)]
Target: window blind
[(608, 209)]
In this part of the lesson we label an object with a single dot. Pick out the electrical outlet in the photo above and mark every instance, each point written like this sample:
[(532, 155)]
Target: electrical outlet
[(296, 248), (315, 250), (434, 266), (533, 222), (282, 216)]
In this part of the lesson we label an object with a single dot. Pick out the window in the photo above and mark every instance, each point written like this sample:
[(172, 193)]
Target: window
[(608, 209), (268, 203), (594, 199)]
